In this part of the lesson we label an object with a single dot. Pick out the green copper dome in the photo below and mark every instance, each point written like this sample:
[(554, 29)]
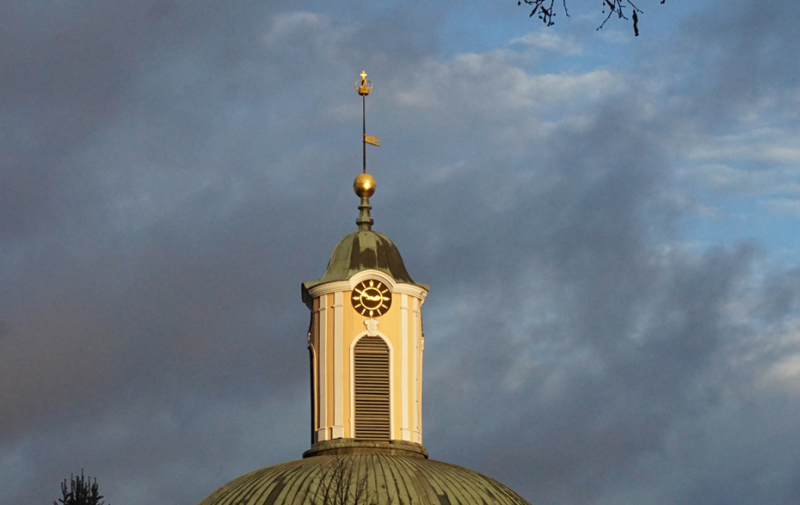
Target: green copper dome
[(362, 250), (382, 479)]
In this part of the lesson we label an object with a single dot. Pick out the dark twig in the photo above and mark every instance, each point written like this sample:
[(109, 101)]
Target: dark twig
[(546, 11)]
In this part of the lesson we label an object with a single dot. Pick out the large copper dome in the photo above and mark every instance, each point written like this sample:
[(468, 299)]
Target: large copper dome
[(378, 478)]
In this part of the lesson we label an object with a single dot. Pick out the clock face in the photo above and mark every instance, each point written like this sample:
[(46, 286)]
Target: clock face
[(371, 298)]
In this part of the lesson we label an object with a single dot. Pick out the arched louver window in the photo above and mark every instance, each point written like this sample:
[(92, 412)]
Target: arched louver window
[(372, 389)]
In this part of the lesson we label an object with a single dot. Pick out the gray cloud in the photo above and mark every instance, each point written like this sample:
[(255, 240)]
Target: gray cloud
[(174, 170), (744, 64)]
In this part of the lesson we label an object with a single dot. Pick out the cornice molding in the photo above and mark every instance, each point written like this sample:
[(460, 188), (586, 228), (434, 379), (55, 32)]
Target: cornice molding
[(348, 285)]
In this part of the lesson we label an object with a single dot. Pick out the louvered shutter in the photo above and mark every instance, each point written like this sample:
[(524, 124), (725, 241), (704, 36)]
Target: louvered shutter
[(372, 389)]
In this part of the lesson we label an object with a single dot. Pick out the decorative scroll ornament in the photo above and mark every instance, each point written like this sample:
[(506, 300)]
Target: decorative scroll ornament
[(372, 326)]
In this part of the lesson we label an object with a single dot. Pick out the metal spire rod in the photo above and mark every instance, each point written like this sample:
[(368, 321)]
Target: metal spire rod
[(364, 128), (363, 88)]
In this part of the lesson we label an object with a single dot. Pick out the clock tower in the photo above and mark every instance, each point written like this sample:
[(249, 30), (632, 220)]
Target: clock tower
[(365, 346), (365, 341)]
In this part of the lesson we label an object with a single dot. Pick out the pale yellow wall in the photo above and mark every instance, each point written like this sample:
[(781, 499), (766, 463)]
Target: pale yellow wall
[(315, 362), (329, 360), (352, 326)]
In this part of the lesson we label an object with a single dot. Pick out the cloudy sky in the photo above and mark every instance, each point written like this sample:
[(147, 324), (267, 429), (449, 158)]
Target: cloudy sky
[(609, 225)]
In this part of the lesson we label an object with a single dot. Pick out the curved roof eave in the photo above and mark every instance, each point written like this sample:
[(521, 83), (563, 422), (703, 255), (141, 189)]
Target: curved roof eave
[(359, 251)]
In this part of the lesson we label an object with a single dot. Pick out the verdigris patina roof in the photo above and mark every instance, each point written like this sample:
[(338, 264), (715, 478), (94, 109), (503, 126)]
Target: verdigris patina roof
[(386, 479), (362, 250)]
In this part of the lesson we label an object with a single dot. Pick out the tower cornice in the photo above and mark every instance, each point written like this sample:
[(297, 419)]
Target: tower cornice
[(312, 290)]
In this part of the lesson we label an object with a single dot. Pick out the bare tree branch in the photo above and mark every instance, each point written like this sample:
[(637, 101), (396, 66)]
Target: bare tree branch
[(341, 484), (545, 10)]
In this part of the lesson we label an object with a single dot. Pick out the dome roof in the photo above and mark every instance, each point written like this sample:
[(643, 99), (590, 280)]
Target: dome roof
[(364, 249), (384, 478)]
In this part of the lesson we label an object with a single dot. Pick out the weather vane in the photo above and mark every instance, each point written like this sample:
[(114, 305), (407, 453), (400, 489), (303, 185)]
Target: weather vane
[(364, 87)]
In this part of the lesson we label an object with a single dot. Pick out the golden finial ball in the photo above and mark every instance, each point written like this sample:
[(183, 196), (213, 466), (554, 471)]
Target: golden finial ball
[(364, 185)]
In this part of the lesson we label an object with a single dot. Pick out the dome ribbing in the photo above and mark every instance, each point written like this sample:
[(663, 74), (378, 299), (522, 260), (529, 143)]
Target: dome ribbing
[(399, 480)]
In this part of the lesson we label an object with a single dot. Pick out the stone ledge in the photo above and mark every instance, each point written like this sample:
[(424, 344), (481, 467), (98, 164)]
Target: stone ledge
[(342, 446)]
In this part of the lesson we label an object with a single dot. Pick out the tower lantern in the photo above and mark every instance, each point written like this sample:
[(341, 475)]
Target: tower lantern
[(365, 345), (365, 340)]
